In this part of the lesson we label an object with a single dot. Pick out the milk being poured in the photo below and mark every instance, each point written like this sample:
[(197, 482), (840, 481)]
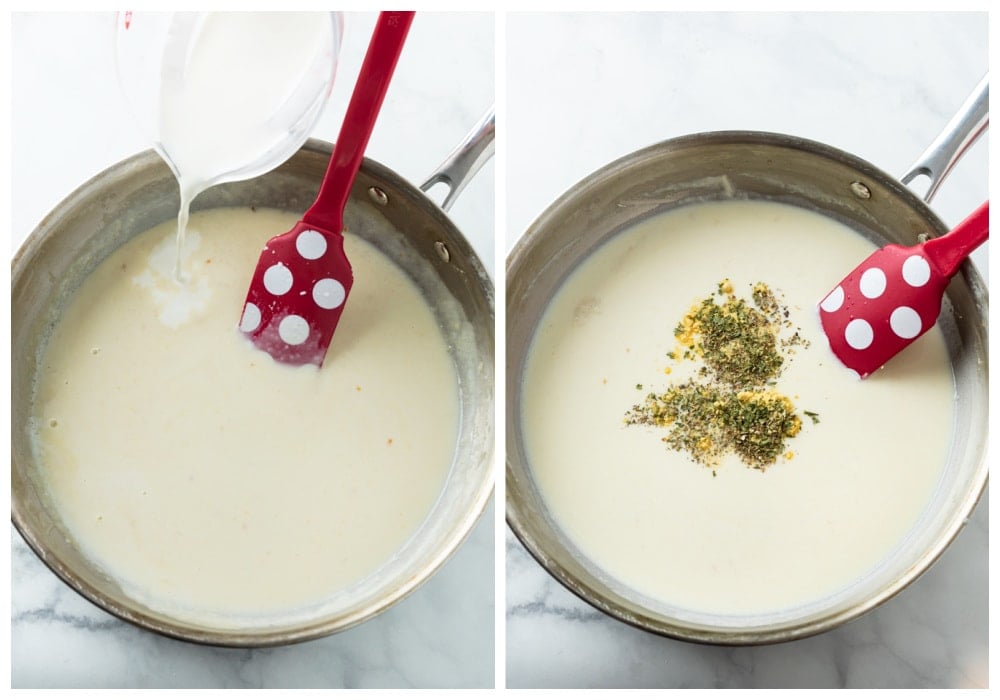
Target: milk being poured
[(234, 87)]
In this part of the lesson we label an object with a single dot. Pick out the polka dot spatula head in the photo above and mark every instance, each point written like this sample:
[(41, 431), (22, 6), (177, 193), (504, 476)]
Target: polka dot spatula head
[(894, 296), (303, 277)]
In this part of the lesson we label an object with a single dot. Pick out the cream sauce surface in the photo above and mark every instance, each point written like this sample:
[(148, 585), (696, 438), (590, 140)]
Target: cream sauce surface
[(739, 541), (213, 480)]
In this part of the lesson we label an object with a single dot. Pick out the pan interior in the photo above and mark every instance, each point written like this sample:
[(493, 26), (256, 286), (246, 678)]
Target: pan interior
[(140, 193), (720, 167)]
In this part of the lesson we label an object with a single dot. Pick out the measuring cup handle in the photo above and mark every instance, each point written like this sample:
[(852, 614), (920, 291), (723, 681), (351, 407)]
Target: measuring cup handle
[(465, 161), (965, 127)]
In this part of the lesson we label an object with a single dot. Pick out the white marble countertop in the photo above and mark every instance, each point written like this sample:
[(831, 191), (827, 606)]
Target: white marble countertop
[(68, 124), (584, 90)]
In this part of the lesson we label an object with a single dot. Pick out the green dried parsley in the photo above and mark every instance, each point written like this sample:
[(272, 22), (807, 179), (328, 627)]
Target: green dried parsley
[(707, 422), (732, 407)]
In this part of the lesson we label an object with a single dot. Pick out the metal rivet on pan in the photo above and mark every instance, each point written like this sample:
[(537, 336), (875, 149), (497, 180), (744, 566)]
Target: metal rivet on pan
[(378, 196), (442, 251), (861, 190)]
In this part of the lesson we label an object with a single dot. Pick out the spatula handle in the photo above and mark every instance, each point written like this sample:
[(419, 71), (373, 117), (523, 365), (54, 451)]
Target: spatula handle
[(376, 71), (947, 252)]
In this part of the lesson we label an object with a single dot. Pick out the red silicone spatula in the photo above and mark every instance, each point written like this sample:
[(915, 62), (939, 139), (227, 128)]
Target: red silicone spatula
[(894, 296), (303, 277)]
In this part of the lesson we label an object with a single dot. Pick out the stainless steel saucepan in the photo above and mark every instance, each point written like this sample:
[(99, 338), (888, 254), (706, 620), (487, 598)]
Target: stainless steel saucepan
[(766, 166), (389, 213)]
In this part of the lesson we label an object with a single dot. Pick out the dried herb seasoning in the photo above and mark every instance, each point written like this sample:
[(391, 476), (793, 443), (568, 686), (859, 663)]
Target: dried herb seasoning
[(732, 406), (707, 422)]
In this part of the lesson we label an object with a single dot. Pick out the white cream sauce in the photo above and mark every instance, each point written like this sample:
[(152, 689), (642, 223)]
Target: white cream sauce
[(740, 541), (213, 480)]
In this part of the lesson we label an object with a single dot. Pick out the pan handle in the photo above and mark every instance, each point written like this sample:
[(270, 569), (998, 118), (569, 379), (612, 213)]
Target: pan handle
[(951, 144), (465, 161)]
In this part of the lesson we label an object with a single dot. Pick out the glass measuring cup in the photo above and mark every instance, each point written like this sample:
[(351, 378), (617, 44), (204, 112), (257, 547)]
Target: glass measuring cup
[(181, 57)]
